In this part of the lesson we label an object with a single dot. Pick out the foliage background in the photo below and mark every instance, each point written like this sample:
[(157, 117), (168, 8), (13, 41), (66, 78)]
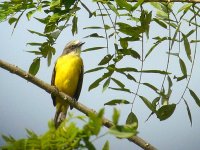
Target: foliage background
[(30, 107)]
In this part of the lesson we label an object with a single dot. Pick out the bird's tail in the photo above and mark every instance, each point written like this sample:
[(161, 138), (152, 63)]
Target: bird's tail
[(60, 115)]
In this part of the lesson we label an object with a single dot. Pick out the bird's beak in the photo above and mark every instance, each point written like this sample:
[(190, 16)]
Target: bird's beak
[(81, 43)]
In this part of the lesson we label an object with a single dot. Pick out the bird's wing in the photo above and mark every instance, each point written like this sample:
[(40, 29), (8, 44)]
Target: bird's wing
[(53, 84), (79, 86)]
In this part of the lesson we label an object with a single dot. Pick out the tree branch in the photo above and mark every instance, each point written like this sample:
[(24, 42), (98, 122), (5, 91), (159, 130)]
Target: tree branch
[(51, 89)]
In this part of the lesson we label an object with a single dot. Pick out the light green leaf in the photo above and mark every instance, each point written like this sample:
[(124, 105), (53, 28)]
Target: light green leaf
[(117, 101), (54, 4), (195, 97), (151, 86), (125, 131), (165, 111), (106, 146), (30, 13), (132, 119), (124, 4), (185, 7), (12, 20), (115, 117), (161, 23)]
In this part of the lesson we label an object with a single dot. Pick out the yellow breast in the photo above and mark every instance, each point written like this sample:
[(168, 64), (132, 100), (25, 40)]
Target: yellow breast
[(68, 69)]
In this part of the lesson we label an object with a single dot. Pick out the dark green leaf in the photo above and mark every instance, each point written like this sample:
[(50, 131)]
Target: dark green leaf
[(95, 69), (165, 111), (106, 59), (119, 83), (49, 57), (115, 117), (93, 27), (117, 101), (34, 32), (106, 146), (175, 34), (123, 43), (125, 131), (12, 20), (183, 67), (34, 44), (95, 35), (74, 25), (161, 23), (95, 84), (131, 52), (195, 97), (155, 102), (151, 86), (132, 119), (155, 71), (121, 89), (87, 9), (106, 84), (130, 77), (127, 69), (188, 111), (148, 104), (8, 139), (187, 47), (93, 48), (34, 66)]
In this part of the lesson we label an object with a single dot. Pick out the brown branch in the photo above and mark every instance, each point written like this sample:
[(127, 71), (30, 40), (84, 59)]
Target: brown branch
[(51, 89)]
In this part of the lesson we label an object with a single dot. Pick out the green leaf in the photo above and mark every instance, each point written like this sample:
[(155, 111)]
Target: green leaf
[(131, 52), (106, 59), (106, 84), (175, 34), (132, 119), (148, 104), (139, 2), (113, 8), (187, 47), (195, 97), (93, 70), (93, 27), (87, 9), (151, 86), (121, 89), (165, 111), (93, 48), (55, 3), (117, 101), (123, 43), (119, 83), (95, 35), (130, 77), (124, 4), (30, 13), (161, 23), (185, 7), (188, 111), (74, 25), (12, 20), (127, 69), (115, 117), (124, 131), (155, 71), (95, 84), (34, 32), (106, 146), (49, 57), (34, 68), (183, 67), (155, 102)]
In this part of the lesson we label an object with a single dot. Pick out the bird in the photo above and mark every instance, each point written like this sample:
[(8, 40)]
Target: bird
[(67, 77)]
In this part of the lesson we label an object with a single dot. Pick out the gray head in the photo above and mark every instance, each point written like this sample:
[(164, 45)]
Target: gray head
[(73, 46)]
